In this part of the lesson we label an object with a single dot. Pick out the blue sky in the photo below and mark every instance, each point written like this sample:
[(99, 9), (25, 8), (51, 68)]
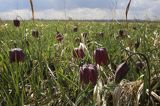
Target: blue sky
[(80, 9)]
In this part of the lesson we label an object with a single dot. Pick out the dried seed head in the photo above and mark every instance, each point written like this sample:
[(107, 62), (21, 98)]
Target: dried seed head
[(121, 71)]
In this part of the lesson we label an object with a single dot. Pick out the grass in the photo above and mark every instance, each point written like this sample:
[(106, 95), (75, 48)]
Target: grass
[(50, 76)]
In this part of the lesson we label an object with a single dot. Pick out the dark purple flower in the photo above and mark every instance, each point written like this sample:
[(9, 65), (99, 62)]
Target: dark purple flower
[(78, 53), (84, 34), (16, 55), (16, 22), (100, 34), (121, 71), (35, 33), (101, 56), (122, 34), (75, 29), (59, 36), (88, 73)]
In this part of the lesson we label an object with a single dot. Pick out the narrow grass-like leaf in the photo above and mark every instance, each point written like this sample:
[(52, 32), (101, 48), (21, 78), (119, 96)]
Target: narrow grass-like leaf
[(82, 95)]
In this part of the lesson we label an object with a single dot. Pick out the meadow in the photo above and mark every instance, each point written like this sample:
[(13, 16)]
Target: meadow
[(51, 72)]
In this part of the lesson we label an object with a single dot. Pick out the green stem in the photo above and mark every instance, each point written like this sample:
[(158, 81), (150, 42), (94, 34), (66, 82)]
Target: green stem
[(148, 68)]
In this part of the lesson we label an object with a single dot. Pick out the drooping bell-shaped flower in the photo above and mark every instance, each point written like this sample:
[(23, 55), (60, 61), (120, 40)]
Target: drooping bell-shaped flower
[(101, 56), (79, 52), (16, 55), (121, 71), (35, 33), (122, 33), (88, 74), (16, 22), (85, 34), (59, 36), (75, 29)]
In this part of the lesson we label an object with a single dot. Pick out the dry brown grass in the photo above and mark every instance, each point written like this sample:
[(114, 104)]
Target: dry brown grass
[(130, 93)]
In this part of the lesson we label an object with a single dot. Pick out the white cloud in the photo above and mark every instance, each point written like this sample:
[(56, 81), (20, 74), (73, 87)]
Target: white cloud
[(78, 13), (24, 14), (140, 9)]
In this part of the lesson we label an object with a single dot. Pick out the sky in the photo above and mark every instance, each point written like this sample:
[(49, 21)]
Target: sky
[(80, 9)]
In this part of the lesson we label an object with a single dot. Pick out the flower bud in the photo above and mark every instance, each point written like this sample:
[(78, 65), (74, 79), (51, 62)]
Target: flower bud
[(78, 53), (75, 29), (88, 73), (16, 55), (85, 34), (35, 33), (122, 33), (121, 71), (16, 23), (59, 37), (101, 56)]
